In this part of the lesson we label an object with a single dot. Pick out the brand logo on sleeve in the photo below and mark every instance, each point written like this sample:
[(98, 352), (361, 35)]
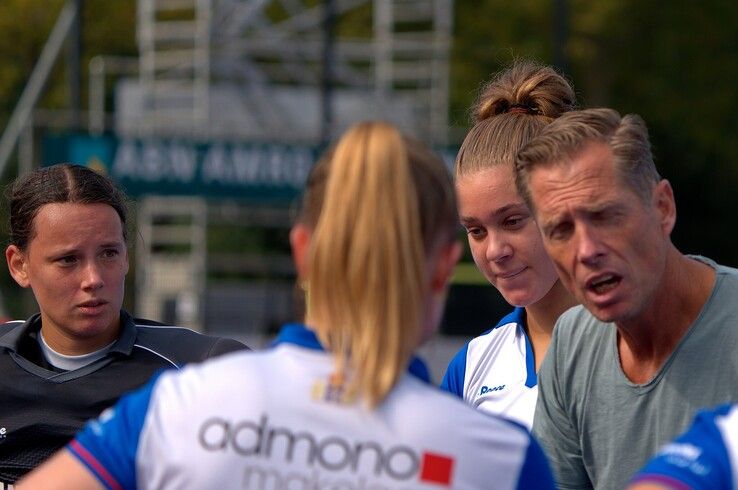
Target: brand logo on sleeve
[(487, 389), (322, 455), (3, 432), (684, 450), (685, 455)]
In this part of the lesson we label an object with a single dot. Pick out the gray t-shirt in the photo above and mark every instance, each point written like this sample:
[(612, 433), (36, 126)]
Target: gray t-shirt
[(596, 426)]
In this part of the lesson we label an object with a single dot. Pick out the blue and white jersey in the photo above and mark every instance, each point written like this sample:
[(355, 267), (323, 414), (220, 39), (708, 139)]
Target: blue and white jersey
[(704, 457), (496, 372), (272, 419)]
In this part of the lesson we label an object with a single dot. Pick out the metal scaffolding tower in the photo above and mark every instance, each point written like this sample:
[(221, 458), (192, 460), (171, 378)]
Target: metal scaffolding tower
[(252, 68), (174, 63)]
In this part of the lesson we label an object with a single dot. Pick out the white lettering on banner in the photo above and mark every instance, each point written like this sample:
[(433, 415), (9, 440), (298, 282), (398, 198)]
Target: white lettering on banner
[(183, 162), (245, 164), (214, 168), (303, 162), (259, 166), (276, 162), (155, 162), (126, 160)]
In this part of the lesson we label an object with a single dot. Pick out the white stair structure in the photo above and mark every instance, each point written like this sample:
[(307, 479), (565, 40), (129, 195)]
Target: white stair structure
[(253, 68), (253, 71), (171, 252)]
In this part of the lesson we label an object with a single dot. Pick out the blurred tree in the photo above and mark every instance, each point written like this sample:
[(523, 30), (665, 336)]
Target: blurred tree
[(674, 63), (488, 36), (108, 28), (25, 24)]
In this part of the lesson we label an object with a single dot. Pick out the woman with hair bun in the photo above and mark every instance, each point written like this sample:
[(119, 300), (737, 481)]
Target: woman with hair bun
[(340, 401), (496, 372)]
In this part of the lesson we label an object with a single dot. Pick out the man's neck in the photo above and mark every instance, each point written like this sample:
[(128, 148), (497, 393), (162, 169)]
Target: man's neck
[(646, 342)]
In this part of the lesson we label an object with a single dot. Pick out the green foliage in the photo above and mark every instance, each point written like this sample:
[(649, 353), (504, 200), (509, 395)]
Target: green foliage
[(24, 24), (108, 28), (674, 63), (488, 36)]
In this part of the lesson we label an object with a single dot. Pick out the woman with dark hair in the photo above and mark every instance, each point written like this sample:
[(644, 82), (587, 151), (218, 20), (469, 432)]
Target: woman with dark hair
[(76, 356), (337, 402)]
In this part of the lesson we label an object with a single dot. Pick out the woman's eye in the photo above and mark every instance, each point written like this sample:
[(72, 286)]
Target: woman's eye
[(514, 221), (475, 232)]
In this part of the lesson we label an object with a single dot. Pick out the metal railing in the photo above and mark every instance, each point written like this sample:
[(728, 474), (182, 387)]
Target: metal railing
[(29, 98)]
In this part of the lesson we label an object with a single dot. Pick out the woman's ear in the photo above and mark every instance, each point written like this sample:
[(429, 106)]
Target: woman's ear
[(16, 260), (447, 260), (300, 242)]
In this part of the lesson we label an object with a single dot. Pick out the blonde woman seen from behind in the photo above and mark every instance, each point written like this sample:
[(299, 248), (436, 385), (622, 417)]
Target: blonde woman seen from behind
[(338, 401), (497, 371)]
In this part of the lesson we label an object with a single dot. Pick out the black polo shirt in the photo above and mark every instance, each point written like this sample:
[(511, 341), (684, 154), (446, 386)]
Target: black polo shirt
[(42, 407)]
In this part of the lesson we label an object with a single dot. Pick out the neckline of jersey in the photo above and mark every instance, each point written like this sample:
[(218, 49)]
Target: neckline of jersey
[(300, 335)]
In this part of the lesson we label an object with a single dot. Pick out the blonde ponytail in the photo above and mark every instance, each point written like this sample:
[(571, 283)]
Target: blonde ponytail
[(367, 258)]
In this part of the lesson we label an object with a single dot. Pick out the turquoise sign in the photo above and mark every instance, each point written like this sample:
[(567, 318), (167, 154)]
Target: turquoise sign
[(259, 172)]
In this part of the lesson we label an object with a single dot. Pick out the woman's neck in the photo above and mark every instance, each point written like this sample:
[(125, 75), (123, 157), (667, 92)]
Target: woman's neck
[(541, 318)]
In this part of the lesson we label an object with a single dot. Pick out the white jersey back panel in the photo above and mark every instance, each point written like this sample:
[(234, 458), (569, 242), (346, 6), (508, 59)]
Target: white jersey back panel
[(495, 372), (265, 420)]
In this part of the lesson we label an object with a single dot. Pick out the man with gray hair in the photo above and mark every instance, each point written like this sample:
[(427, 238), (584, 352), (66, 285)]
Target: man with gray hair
[(655, 338)]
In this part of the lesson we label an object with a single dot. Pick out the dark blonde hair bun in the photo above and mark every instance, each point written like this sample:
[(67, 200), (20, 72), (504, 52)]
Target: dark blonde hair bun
[(526, 88)]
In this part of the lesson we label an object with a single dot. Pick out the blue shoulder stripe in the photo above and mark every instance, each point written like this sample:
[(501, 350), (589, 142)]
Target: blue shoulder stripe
[(515, 316), (107, 446), (453, 380)]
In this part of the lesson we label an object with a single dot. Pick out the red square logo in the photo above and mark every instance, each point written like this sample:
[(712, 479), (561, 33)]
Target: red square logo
[(436, 468)]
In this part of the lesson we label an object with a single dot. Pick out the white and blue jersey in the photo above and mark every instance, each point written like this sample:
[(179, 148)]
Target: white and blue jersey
[(496, 372), (272, 419), (704, 457)]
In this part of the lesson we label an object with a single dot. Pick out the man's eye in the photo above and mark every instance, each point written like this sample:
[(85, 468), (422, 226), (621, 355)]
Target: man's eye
[(561, 231)]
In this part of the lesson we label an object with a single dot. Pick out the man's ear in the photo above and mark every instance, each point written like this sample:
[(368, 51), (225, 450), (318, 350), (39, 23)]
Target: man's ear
[(125, 251), (447, 259), (665, 203), (16, 260), (300, 242)]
